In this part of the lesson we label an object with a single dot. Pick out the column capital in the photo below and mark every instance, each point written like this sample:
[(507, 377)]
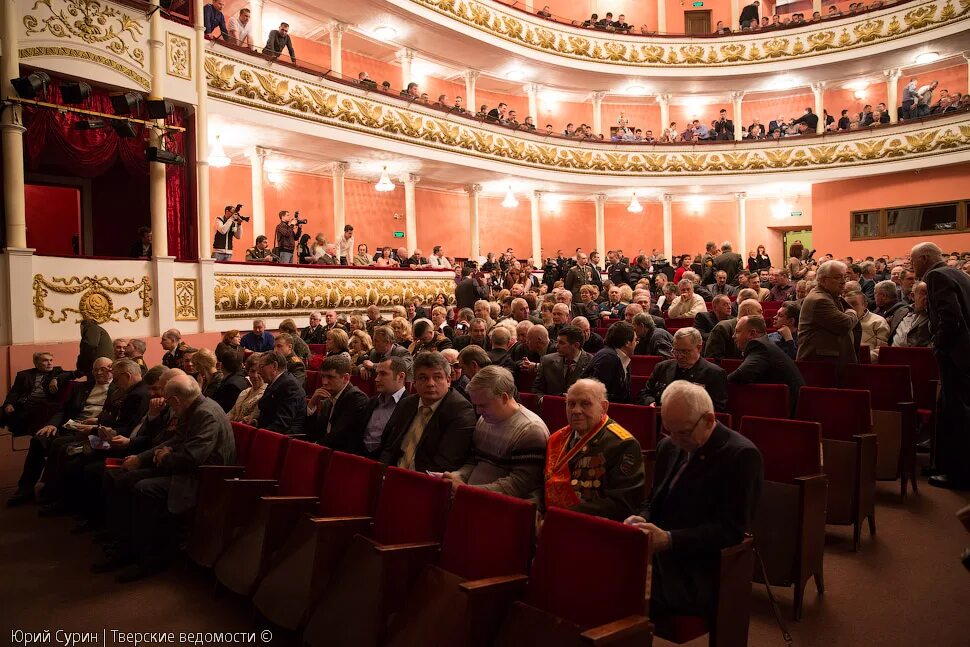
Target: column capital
[(256, 3), (404, 55), (818, 87), (663, 98), (339, 169), (471, 75), (741, 196), (535, 196), (737, 95), (531, 88), (410, 179), (667, 198), (893, 74), (600, 199), (337, 27), (966, 56), (258, 152), (597, 97), (473, 189)]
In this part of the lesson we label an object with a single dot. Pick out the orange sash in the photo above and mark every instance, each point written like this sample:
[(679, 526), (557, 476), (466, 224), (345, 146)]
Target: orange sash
[(560, 491)]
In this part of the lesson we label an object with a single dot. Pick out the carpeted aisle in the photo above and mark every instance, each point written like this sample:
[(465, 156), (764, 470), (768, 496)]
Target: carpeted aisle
[(906, 587)]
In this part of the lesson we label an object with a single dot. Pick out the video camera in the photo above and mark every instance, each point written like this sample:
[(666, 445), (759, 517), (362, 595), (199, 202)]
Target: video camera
[(236, 213), (297, 221)]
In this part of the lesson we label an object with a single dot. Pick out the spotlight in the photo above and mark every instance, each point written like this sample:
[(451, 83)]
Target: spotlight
[(160, 108), (28, 87), (89, 124), (125, 104), (155, 154), (76, 92), (125, 129)]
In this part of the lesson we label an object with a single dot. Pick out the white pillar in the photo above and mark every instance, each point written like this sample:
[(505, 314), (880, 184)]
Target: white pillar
[(256, 20), (529, 6), (742, 223), (966, 56), (475, 247), (664, 101), (892, 93), (598, 112), (661, 17), (405, 57), (668, 227), (738, 124), (532, 89), (410, 212), (817, 6), (201, 137), (471, 76), (257, 155), (818, 89), (336, 47), (11, 125), (158, 206), (601, 226), (339, 170), (735, 15), (535, 199)]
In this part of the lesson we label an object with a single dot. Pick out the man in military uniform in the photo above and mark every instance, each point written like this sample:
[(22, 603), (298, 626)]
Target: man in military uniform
[(261, 251), (593, 465), (707, 263), (294, 365), (174, 348)]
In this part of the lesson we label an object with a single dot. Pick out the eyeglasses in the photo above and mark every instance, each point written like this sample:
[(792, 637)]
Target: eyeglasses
[(681, 351)]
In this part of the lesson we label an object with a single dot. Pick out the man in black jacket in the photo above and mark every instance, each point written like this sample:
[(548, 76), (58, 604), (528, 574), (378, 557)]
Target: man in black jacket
[(687, 365), (721, 311), (764, 362), (315, 333), (469, 289), (558, 371), (431, 430), (30, 399), (95, 343), (706, 487), (651, 340), (729, 262), (283, 406), (234, 382), (611, 365), (749, 17), (336, 410)]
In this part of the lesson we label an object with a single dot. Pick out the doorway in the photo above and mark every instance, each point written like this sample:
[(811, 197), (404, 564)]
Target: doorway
[(53, 219), (697, 22), (803, 235)]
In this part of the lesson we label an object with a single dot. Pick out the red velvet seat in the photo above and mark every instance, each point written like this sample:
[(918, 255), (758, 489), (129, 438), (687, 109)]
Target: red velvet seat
[(367, 386), (730, 365), (529, 400), (766, 400), (525, 379), (725, 419), (601, 331), (552, 410), (318, 349), (243, 435), (314, 380), (820, 374), (925, 373), (639, 420), (637, 382), (643, 364), (683, 322), (864, 354)]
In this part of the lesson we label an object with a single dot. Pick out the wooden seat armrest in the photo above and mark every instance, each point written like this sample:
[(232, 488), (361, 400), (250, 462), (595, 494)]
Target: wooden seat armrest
[(626, 631), (246, 492), (406, 549), (289, 500), (494, 585), (865, 440), (813, 481), (354, 524)]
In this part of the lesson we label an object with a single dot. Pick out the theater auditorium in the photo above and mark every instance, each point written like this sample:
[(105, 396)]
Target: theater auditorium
[(485, 322)]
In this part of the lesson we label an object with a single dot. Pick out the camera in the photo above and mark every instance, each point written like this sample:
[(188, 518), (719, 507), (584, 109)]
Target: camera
[(296, 219), (235, 212)]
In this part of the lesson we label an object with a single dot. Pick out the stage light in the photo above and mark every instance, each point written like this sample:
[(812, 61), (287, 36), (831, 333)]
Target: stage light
[(384, 184), (217, 156), (510, 202), (126, 104), (89, 124), (160, 108), (28, 87), (125, 129), (635, 206), (155, 154), (75, 92)]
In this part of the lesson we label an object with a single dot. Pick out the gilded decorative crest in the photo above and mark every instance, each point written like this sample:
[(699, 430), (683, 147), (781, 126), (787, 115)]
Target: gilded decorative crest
[(186, 300), (87, 55), (95, 301), (92, 22), (178, 59)]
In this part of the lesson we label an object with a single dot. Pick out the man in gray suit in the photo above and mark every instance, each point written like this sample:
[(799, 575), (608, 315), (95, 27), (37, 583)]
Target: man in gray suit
[(827, 324), (558, 371), (729, 262)]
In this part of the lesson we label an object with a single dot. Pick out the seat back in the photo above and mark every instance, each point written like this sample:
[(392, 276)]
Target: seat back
[(864, 354), (314, 380), (413, 507), (525, 379), (888, 385), (243, 435), (367, 386), (923, 368), (789, 448), (822, 374), (637, 382), (317, 349), (730, 365), (529, 400), (303, 468), (638, 420), (609, 581), (266, 454), (767, 400), (842, 413), (350, 486), (643, 364), (488, 535), (553, 412), (684, 322), (725, 419)]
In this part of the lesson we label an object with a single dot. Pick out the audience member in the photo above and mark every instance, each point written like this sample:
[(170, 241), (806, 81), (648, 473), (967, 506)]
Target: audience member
[(259, 340), (294, 365), (720, 343), (826, 322), (246, 407), (688, 304), (651, 340), (785, 336), (282, 408), (95, 343), (764, 362), (687, 364), (611, 365), (277, 40), (559, 370), (334, 411)]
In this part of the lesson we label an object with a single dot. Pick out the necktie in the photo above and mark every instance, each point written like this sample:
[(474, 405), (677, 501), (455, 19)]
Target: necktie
[(680, 471), (410, 444), (567, 369)]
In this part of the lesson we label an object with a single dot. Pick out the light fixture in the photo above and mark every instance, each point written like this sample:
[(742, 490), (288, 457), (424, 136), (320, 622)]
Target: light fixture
[(124, 129), (160, 108), (75, 92), (155, 154), (510, 202), (384, 32), (783, 82), (217, 156), (858, 84), (275, 176), (384, 184), (780, 210), (635, 206), (125, 104), (859, 94), (636, 90), (28, 87), (89, 124), (515, 74), (926, 57)]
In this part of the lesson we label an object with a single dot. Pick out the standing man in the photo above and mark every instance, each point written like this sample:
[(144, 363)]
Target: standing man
[(345, 245), (240, 29), (213, 17), (228, 226), (948, 291), (749, 17), (730, 262), (826, 322), (578, 276), (95, 343), (278, 39), (286, 236)]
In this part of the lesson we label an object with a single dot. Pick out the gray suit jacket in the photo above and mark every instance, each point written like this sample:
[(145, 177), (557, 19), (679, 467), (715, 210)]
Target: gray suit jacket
[(551, 378), (826, 329)]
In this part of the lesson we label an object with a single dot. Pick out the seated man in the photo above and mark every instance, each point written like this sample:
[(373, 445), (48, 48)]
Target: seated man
[(390, 388), (781, 286), (509, 441), (259, 340), (611, 365), (651, 340), (705, 321), (875, 329), (476, 335), (707, 483), (687, 365), (174, 348), (913, 329), (120, 344), (688, 304), (720, 285), (458, 378), (32, 397), (558, 371), (300, 348), (315, 333), (785, 336), (335, 410), (294, 365), (720, 343), (764, 362), (282, 408), (593, 465), (532, 351), (592, 341), (472, 359), (135, 351), (501, 342), (385, 347)]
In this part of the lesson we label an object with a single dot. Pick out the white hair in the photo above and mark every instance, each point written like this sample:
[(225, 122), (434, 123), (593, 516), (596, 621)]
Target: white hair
[(695, 335), (588, 384), (696, 397), (829, 267)]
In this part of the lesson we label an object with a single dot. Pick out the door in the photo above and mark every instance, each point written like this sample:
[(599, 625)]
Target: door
[(53, 219), (803, 235), (697, 22)]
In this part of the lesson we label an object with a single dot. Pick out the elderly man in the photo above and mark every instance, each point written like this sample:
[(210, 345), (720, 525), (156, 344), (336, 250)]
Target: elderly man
[(458, 378), (948, 291), (875, 329), (561, 316), (259, 340), (785, 336), (593, 465), (687, 364), (764, 362), (315, 333), (472, 359), (336, 409), (536, 345), (385, 347), (613, 307), (720, 343), (592, 342), (32, 396), (889, 305), (611, 365), (520, 311), (374, 319), (721, 310), (913, 328), (688, 304), (476, 336), (135, 351), (560, 370), (781, 287), (827, 324), (720, 285), (431, 430), (509, 441), (282, 408), (730, 262), (501, 342), (650, 339), (706, 487)]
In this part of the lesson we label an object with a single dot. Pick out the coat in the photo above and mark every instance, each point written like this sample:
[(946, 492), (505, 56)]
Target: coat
[(95, 343), (551, 378), (826, 329), (765, 363), (720, 343), (346, 431), (447, 439), (948, 298), (283, 406), (608, 369), (731, 263), (711, 376)]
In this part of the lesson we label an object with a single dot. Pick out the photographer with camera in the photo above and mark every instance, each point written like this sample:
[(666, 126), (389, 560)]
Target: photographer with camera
[(229, 225), (287, 233)]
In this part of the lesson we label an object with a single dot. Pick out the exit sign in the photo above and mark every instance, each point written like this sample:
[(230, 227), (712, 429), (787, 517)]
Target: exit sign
[(400, 234), (698, 4), (795, 214)]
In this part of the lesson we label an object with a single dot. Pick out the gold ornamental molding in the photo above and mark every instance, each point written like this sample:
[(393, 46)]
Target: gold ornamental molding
[(337, 105), (186, 299), (93, 57), (742, 49), (95, 23), (178, 56), (95, 301), (240, 296)]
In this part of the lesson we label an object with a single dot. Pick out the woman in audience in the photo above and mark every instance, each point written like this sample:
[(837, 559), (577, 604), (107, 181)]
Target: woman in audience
[(319, 247), (762, 259), (426, 338), (684, 266), (304, 252), (402, 331), (362, 257), (246, 408), (229, 343), (385, 260), (441, 299), (208, 375), (399, 311), (356, 322), (338, 343), (587, 305), (545, 311), (360, 346)]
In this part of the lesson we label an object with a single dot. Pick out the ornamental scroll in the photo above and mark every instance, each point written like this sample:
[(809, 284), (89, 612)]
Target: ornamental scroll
[(240, 296), (95, 23), (95, 301)]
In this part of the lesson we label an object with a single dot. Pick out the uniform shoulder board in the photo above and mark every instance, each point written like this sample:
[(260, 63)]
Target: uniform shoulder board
[(296, 359), (619, 431)]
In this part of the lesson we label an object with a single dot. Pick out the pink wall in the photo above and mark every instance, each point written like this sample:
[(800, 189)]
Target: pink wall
[(572, 225), (564, 112), (354, 63), (645, 116), (229, 186), (788, 106), (720, 10), (502, 228), (443, 220), (519, 104), (633, 231)]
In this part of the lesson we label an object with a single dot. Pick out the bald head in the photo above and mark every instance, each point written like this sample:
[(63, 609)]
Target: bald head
[(924, 256), (586, 405), (749, 307)]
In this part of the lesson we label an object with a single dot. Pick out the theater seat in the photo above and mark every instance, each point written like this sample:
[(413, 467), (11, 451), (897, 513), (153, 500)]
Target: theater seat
[(789, 523), (243, 435), (925, 374), (552, 410), (822, 374), (637, 382), (367, 386), (318, 349), (643, 364), (529, 400), (640, 421), (314, 380), (525, 378), (765, 400), (730, 365)]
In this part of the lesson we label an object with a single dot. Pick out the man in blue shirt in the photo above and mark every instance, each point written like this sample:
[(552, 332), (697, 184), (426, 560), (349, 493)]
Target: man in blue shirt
[(213, 17), (259, 340)]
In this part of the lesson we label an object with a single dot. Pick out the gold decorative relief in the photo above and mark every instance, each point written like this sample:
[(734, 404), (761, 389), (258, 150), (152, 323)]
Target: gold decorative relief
[(89, 21), (239, 82), (178, 56), (86, 55), (240, 296), (95, 301), (522, 29), (186, 300)]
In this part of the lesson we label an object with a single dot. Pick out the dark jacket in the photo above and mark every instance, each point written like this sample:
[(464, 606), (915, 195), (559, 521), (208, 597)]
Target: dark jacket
[(593, 344), (467, 292), (229, 389), (346, 431), (720, 342), (705, 322), (129, 411), (711, 376), (447, 439), (316, 335), (283, 406), (95, 343), (502, 358), (765, 363), (731, 263), (551, 378), (948, 298), (660, 342), (608, 369), (23, 385)]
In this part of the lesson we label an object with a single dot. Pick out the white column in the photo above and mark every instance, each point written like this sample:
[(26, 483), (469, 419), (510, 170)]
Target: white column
[(742, 199), (601, 225), (966, 56), (201, 137), (11, 125), (529, 6), (817, 6), (532, 89), (664, 101), (818, 89), (19, 318), (339, 170), (256, 20), (471, 76), (661, 18), (257, 155), (668, 227), (405, 57), (735, 15), (410, 212), (156, 170), (598, 112), (336, 47), (738, 123), (892, 93), (475, 248), (535, 199)]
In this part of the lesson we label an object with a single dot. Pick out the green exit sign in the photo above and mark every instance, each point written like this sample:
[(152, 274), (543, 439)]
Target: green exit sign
[(698, 4), (400, 234), (795, 214)]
